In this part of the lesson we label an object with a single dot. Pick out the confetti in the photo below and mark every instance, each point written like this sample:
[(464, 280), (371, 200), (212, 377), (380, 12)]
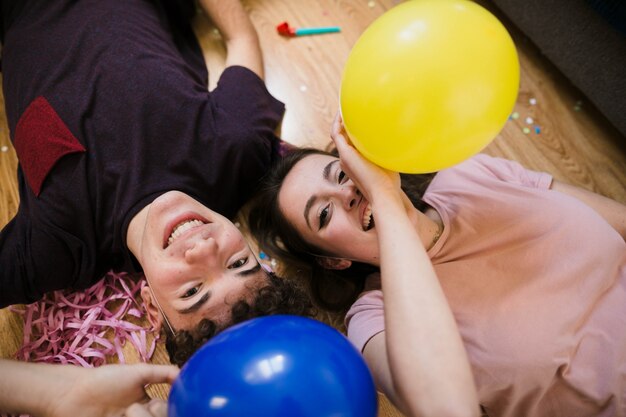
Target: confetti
[(532, 101), (537, 129), (4, 148), (371, 4), (529, 120), (303, 88), (262, 255), (578, 106), (526, 130), (515, 115)]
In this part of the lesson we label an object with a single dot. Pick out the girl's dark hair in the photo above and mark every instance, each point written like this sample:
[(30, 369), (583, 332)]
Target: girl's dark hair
[(277, 296), (333, 290)]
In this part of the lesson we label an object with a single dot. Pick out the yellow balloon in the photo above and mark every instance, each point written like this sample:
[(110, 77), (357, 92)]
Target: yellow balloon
[(429, 84)]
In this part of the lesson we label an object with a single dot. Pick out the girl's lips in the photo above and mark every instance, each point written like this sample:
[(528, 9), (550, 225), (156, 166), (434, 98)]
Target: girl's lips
[(171, 225)]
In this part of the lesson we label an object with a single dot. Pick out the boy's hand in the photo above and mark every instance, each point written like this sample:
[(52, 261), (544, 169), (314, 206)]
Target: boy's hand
[(110, 390), (238, 32), (155, 408)]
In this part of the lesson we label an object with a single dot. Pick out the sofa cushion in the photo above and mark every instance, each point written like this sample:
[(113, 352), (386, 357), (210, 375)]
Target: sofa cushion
[(583, 39)]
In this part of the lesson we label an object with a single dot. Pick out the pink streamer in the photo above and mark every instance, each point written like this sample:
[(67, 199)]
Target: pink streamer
[(85, 327)]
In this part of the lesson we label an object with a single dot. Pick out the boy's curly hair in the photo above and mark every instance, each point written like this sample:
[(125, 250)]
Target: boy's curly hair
[(278, 296)]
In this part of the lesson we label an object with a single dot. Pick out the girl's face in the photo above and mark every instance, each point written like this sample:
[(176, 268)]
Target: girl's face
[(328, 211), (194, 259)]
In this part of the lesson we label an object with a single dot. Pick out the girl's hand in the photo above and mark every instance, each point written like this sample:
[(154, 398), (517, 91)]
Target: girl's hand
[(372, 180)]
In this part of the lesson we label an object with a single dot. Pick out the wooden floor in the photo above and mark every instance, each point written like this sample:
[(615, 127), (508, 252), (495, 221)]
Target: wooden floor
[(576, 144)]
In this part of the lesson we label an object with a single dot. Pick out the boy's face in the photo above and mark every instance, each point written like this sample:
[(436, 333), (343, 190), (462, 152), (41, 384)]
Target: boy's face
[(196, 261)]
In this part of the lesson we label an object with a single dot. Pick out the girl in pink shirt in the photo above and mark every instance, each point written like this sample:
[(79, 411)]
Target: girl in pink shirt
[(507, 290)]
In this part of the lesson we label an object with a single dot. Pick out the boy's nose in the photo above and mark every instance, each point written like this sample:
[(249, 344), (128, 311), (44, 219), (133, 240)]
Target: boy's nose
[(202, 251)]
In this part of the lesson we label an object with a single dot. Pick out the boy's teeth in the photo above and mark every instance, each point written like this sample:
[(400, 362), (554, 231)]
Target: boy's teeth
[(367, 217), (182, 228)]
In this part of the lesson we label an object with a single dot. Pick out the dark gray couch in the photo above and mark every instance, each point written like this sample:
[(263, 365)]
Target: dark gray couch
[(586, 40)]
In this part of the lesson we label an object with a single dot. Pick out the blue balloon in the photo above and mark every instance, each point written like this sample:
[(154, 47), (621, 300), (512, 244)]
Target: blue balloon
[(275, 366)]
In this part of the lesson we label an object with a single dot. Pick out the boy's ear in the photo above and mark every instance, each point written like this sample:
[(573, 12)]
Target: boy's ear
[(333, 263), (153, 313)]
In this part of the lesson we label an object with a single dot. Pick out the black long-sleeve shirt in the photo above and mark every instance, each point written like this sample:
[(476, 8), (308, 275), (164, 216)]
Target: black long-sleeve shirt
[(108, 107)]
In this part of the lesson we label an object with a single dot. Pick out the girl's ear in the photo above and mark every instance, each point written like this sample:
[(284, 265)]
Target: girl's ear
[(333, 263), (153, 314)]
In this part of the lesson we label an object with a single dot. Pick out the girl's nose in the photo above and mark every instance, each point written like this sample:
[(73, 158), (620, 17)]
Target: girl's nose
[(349, 195), (203, 250)]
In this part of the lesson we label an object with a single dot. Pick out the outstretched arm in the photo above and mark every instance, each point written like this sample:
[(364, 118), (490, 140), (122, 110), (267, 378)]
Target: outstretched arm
[(242, 41), (612, 211), (67, 390), (419, 361)]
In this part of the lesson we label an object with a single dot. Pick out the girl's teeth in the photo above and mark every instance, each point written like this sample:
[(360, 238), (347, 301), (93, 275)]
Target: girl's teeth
[(182, 228), (367, 217)]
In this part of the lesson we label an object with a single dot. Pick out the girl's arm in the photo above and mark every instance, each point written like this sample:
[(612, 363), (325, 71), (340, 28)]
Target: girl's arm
[(612, 211), (66, 390), (419, 361), (240, 36), (426, 357)]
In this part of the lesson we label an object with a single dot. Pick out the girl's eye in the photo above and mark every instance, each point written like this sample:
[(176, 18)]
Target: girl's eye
[(191, 292), (324, 216), (238, 263), (342, 177)]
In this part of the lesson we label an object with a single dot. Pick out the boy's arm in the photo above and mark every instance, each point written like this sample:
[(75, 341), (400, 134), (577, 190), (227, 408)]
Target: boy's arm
[(240, 36), (66, 390)]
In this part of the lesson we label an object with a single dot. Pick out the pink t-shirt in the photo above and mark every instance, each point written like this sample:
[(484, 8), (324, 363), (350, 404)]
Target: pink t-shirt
[(537, 284)]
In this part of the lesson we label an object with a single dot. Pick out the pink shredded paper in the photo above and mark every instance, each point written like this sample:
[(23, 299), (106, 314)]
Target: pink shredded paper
[(84, 327)]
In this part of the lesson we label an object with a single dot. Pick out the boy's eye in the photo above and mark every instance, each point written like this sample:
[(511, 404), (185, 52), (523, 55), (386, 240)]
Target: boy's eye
[(341, 177), (191, 292), (238, 263), (324, 216)]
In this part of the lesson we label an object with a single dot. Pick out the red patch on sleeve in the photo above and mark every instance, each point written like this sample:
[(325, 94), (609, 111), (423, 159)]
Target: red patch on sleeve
[(41, 139)]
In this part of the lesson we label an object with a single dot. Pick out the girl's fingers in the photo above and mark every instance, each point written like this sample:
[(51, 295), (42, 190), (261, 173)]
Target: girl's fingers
[(337, 124), (337, 129)]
